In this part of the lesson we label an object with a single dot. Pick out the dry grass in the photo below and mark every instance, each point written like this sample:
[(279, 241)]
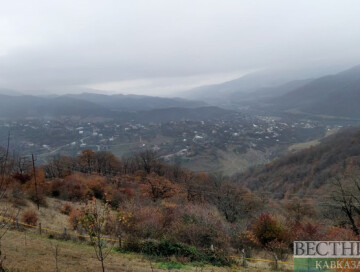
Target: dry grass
[(227, 162), (304, 145), (50, 216), (301, 146), (36, 254), (30, 252)]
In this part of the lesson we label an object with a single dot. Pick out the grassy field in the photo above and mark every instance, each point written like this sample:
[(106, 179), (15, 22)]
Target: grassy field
[(228, 162), (301, 146), (26, 250), (30, 252)]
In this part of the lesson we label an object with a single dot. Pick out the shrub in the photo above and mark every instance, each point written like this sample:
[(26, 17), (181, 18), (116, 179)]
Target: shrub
[(74, 218), (158, 187), (246, 240), (273, 235), (55, 187), (200, 226), (67, 208), (132, 244), (30, 217), (117, 196), (96, 185), (166, 248), (17, 195), (308, 232), (341, 234), (73, 188), (22, 178), (37, 193), (148, 223), (268, 229)]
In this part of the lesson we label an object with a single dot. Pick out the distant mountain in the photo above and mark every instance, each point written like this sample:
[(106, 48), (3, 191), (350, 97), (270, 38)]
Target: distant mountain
[(136, 102), (270, 91), (248, 87), (278, 90), (120, 107), (334, 95), (34, 106), (310, 170), (177, 114)]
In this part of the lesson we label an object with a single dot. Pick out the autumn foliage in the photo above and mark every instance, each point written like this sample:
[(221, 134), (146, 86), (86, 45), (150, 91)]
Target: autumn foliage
[(30, 217), (67, 208), (150, 204), (268, 229)]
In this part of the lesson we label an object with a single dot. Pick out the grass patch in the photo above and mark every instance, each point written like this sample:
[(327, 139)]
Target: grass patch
[(171, 265), (31, 252)]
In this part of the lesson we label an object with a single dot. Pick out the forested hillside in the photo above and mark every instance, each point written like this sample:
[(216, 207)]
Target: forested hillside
[(309, 170), (163, 210)]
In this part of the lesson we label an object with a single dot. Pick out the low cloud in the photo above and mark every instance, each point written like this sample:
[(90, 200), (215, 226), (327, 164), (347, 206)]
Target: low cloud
[(163, 46)]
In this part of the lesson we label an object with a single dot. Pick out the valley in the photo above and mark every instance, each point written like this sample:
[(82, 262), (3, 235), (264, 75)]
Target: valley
[(224, 145), (185, 188), (179, 136)]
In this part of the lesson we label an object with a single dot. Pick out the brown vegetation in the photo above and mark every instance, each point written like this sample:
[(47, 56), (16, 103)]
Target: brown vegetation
[(153, 207), (307, 171), (30, 217)]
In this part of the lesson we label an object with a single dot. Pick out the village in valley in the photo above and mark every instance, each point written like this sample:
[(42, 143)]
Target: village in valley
[(174, 141)]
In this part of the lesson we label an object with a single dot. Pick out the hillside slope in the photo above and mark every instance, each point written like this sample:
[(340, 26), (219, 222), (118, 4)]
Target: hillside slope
[(309, 170), (131, 107), (176, 114), (35, 106), (333, 95), (135, 102), (245, 86), (28, 251)]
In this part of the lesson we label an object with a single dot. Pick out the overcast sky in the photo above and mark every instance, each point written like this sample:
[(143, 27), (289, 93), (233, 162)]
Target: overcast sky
[(163, 46)]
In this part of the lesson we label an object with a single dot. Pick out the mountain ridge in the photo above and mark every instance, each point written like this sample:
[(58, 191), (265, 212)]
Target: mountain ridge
[(133, 107), (331, 95)]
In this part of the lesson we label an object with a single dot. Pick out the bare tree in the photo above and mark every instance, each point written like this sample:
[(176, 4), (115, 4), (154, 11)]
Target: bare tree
[(4, 167), (21, 164), (37, 200), (346, 198), (147, 161), (298, 208), (93, 221), (236, 202)]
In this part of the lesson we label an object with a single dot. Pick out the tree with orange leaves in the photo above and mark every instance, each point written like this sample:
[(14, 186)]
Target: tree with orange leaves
[(87, 160), (158, 187)]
